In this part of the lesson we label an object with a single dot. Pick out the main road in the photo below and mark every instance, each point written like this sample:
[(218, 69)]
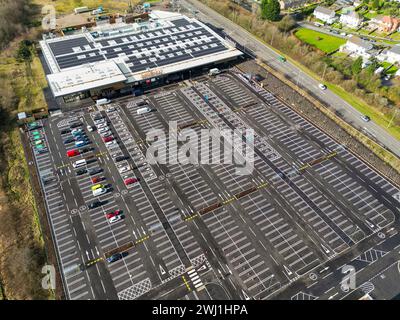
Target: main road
[(240, 35)]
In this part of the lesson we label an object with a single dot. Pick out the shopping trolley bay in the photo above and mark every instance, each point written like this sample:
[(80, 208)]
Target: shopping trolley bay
[(284, 225)]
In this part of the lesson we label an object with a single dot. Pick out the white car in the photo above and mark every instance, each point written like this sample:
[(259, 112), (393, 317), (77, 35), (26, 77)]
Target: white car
[(110, 143), (104, 129), (110, 109), (99, 121), (90, 128), (102, 125), (322, 86), (114, 219), (124, 169), (106, 133)]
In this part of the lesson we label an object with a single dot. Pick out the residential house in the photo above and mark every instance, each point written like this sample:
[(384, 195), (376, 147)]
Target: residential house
[(393, 54), (325, 14), (386, 23), (357, 3), (357, 47), (351, 19)]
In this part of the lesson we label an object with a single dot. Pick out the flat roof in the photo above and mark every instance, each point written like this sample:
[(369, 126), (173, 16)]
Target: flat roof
[(169, 42), (85, 78)]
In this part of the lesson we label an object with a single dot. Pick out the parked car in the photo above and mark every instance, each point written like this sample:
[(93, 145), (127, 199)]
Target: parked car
[(96, 179), (108, 139), (130, 181), (113, 214), (121, 158), (65, 131), (95, 171), (80, 172), (95, 204), (114, 219), (69, 140), (116, 257)]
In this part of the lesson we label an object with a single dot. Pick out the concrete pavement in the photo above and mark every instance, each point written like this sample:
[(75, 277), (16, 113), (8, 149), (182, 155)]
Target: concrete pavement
[(349, 114)]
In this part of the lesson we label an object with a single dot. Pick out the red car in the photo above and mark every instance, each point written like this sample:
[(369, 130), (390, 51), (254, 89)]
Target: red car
[(96, 179), (107, 139), (73, 153), (130, 181), (113, 214)]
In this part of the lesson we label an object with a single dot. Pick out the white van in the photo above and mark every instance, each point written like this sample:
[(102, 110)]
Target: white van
[(79, 163), (143, 110), (99, 192), (214, 71), (100, 102)]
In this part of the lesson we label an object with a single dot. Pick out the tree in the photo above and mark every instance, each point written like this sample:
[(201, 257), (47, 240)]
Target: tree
[(375, 4), (270, 10), (24, 52), (356, 67), (286, 24)]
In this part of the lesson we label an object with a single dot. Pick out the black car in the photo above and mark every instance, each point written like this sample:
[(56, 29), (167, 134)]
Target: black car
[(94, 204), (75, 125), (69, 140), (80, 172), (85, 150), (95, 171), (65, 131), (121, 158), (116, 257)]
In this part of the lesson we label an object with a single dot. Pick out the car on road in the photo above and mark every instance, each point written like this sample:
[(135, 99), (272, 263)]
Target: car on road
[(130, 181), (69, 140), (124, 169), (322, 86), (365, 118), (113, 214), (281, 58), (95, 171), (116, 257), (95, 204), (114, 219), (80, 172)]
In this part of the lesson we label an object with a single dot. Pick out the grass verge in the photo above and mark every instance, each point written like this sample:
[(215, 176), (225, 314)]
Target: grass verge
[(322, 41)]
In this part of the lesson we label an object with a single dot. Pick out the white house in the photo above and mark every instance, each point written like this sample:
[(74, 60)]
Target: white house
[(351, 19), (357, 47), (325, 14), (393, 54)]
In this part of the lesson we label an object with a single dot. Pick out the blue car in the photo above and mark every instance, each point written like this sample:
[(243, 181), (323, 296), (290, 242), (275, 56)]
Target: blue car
[(116, 257)]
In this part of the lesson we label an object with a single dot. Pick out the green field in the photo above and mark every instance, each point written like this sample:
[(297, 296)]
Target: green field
[(322, 41)]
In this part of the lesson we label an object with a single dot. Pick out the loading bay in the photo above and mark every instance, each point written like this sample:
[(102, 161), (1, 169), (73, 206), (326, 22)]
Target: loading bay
[(284, 231)]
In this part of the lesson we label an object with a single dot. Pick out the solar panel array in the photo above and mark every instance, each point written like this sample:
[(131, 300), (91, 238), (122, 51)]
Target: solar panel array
[(148, 49)]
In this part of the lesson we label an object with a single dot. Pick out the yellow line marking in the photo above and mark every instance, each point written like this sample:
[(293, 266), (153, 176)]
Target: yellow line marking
[(186, 283), (142, 239), (92, 262), (192, 217)]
